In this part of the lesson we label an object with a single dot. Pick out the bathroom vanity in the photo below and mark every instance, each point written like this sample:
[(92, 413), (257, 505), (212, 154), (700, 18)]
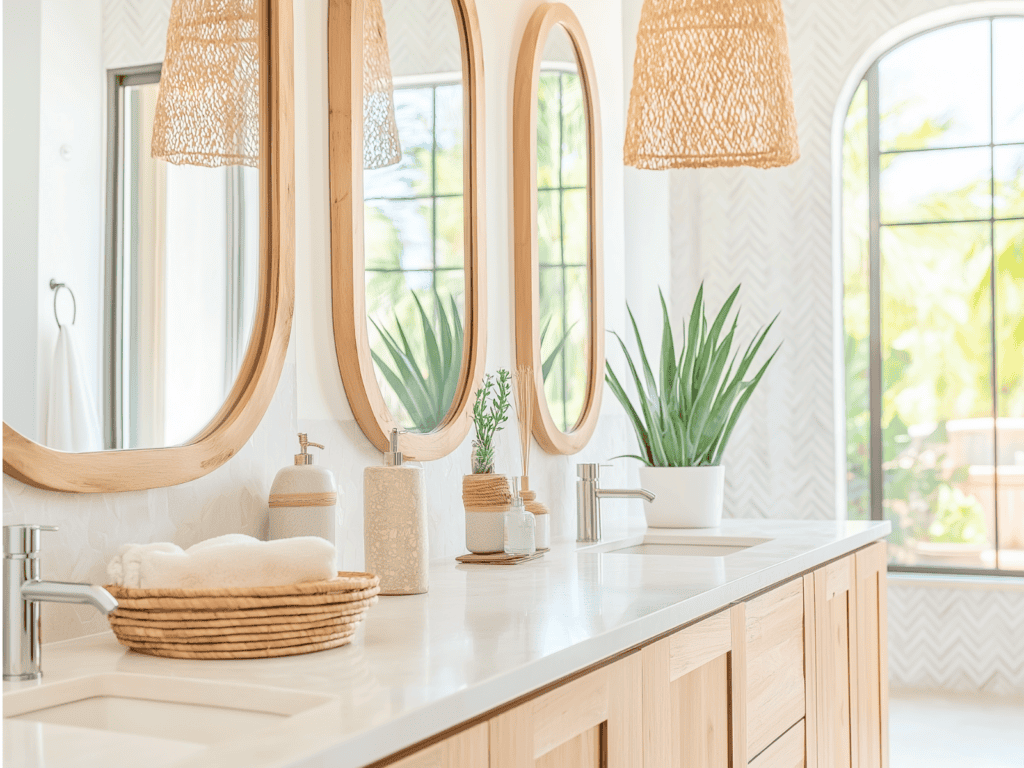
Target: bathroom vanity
[(762, 643)]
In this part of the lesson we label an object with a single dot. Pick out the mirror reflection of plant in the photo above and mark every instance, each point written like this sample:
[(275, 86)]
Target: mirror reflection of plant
[(686, 414), (424, 372), (490, 412)]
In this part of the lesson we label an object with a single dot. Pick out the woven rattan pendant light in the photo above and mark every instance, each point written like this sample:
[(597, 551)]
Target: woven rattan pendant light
[(712, 86), (208, 110), (380, 132)]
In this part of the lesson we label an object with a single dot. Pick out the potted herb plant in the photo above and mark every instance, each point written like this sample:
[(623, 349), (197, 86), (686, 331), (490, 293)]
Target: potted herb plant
[(486, 495), (685, 412)]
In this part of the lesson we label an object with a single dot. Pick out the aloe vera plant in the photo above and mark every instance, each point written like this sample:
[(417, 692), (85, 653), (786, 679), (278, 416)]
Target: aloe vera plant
[(424, 377), (424, 372), (684, 416)]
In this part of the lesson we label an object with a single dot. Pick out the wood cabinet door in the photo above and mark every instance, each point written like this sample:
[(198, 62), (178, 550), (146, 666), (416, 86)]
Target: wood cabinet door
[(775, 665), (834, 663), (695, 695), (467, 749), (847, 669), (871, 692), (591, 722)]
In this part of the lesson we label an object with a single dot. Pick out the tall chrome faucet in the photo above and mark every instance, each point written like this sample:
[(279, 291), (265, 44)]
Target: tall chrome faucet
[(23, 591), (588, 501)]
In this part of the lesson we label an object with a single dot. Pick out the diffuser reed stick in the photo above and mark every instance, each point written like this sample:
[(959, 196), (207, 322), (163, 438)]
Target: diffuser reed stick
[(523, 393)]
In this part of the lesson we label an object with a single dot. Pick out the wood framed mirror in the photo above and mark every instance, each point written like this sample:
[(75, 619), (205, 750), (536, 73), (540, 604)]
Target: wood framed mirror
[(556, 176), (174, 240), (407, 216)]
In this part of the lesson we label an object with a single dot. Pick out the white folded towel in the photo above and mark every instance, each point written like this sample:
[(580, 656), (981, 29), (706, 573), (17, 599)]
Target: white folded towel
[(233, 560)]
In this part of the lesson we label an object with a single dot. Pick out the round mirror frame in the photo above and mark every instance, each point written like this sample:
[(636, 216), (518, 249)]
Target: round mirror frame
[(527, 261), (260, 372), (348, 281)]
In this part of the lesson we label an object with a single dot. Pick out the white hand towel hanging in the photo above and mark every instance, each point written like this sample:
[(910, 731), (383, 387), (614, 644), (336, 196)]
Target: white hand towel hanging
[(71, 420)]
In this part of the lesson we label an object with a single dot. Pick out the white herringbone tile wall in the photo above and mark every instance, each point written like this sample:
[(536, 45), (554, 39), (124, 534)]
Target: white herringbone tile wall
[(772, 232), (965, 639)]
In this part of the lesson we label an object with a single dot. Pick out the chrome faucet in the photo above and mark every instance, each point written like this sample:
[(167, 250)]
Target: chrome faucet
[(588, 501), (23, 591)]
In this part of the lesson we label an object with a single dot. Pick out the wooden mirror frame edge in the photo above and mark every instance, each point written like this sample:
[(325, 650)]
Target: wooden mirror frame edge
[(524, 193), (348, 280), (260, 372)]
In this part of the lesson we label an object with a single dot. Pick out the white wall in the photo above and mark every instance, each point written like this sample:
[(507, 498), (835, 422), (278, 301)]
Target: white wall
[(772, 231), (311, 397)]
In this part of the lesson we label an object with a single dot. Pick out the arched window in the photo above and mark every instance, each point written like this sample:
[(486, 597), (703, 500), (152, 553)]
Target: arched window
[(933, 307)]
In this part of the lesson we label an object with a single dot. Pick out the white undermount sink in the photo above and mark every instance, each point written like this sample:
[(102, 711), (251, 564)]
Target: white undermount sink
[(179, 709), (678, 545)]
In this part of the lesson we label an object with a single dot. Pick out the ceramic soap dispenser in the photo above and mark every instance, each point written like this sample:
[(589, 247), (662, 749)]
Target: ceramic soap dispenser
[(395, 524), (303, 498)]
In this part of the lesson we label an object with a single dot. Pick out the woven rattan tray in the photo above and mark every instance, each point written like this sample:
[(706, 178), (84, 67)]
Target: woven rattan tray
[(243, 623)]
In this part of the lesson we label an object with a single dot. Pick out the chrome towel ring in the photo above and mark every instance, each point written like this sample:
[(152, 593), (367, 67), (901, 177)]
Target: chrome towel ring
[(55, 287)]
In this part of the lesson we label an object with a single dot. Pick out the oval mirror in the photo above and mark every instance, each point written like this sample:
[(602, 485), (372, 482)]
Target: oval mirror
[(558, 284), (146, 305), (406, 217)]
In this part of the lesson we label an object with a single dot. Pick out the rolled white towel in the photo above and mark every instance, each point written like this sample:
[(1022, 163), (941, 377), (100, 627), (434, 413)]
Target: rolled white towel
[(234, 560)]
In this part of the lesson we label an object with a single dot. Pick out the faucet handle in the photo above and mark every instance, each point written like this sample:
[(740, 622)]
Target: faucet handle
[(588, 471), (23, 540)]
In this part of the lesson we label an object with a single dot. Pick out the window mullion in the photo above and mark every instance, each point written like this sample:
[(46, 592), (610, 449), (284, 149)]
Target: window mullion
[(994, 372)]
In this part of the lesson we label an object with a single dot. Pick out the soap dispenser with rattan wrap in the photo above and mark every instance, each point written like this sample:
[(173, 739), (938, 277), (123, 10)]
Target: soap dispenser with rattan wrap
[(395, 524), (303, 498)]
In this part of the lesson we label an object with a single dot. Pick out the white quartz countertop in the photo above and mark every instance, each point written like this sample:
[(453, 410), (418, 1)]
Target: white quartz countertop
[(482, 636)]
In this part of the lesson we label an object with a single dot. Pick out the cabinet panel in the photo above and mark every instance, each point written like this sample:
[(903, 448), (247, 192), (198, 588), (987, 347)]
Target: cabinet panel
[(871, 716), (785, 752), (463, 750), (592, 721), (834, 665), (694, 695), (775, 664)]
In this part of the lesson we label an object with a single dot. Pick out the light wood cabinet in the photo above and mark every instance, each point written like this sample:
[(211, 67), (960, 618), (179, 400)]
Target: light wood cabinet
[(847, 723), (467, 749), (775, 665), (871, 692), (591, 722), (694, 695), (793, 678)]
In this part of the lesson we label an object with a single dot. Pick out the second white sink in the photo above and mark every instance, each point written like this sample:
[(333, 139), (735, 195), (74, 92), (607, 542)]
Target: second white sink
[(678, 545)]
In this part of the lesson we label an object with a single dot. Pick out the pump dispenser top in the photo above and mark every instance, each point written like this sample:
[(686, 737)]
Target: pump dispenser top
[(304, 457), (393, 456)]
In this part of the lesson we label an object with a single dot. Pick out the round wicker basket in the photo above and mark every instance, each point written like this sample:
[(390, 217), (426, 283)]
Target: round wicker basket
[(243, 623)]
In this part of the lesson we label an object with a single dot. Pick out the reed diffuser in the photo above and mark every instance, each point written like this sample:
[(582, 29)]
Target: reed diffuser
[(522, 391)]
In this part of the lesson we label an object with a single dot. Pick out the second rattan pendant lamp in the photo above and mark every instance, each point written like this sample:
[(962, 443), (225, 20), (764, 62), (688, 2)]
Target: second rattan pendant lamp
[(712, 86), (208, 108), (381, 146)]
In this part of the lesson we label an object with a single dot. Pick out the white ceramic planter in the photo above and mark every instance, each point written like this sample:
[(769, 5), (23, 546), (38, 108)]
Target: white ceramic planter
[(685, 497)]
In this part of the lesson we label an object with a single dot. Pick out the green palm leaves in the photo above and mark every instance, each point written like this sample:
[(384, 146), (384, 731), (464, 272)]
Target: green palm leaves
[(424, 374), (423, 369), (685, 415)]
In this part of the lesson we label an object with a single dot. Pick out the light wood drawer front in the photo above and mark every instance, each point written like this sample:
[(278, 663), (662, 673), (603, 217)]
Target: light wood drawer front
[(463, 750), (775, 664), (590, 722), (786, 752)]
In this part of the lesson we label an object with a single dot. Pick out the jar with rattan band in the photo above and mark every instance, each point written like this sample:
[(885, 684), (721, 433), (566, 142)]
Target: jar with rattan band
[(303, 498), (486, 498)]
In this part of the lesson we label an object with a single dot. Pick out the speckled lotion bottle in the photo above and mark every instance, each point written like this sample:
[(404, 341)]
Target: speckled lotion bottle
[(395, 524)]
